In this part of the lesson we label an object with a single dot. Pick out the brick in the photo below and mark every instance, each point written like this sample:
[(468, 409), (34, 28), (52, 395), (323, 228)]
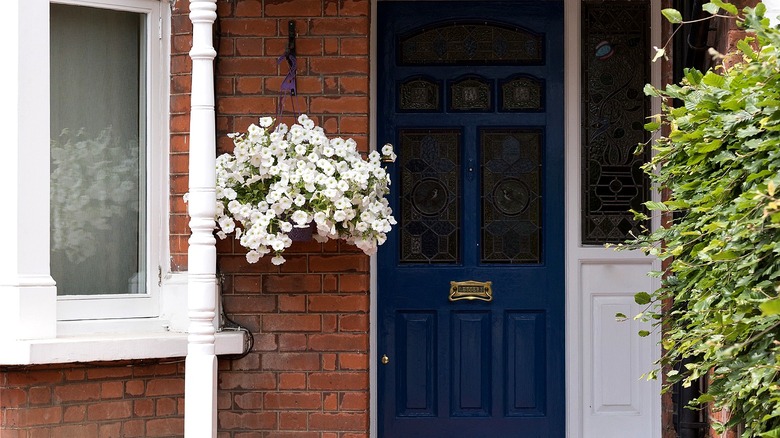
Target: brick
[(249, 8), (158, 427), (329, 303), (293, 420), (293, 8), (292, 323), (12, 397), (246, 105), (250, 362), (292, 342), (292, 400), (331, 401), (291, 361), (34, 416), (265, 342), (252, 27), (329, 323), (109, 390), (354, 283), (165, 407), (329, 362), (110, 430), (339, 65), (165, 387), (74, 414), (340, 26), (342, 263), (292, 303), (292, 381), (244, 380), (75, 374), (353, 8), (77, 392), (330, 283), (292, 283), (353, 323), (335, 381), (32, 378), (143, 407), (353, 361), (134, 428), (341, 421), (75, 430), (248, 303), (40, 395), (297, 434), (135, 387), (109, 410), (354, 401), (249, 401), (247, 420)]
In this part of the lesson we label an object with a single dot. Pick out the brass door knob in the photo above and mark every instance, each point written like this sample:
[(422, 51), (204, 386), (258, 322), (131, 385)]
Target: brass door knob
[(385, 359)]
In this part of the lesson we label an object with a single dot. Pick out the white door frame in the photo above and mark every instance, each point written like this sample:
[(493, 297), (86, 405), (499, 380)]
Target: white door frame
[(599, 282)]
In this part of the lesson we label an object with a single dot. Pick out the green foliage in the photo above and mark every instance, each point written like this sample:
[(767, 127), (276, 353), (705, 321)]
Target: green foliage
[(719, 162)]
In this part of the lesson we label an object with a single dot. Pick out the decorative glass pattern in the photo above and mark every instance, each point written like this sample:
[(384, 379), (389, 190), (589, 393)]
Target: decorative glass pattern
[(472, 44), (430, 195), (471, 94), (614, 72), (419, 95), (522, 94), (511, 196)]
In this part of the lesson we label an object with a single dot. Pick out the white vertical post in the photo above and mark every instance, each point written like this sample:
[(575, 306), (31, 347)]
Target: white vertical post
[(28, 296), (200, 407)]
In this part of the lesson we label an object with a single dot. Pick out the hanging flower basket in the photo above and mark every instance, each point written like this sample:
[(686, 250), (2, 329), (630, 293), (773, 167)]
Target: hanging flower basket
[(279, 180)]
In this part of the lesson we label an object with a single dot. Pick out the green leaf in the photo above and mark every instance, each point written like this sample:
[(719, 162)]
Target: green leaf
[(771, 307), (644, 333), (652, 126), (774, 433), (728, 7), (724, 255), (642, 298), (712, 8), (673, 15), (745, 47)]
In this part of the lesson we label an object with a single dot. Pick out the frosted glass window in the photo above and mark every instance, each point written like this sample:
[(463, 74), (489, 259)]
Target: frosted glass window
[(98, 150)]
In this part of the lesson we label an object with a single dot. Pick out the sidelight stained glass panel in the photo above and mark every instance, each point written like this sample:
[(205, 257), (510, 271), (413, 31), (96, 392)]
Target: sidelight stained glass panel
[(511, 194), (429, 195), (614, 71)]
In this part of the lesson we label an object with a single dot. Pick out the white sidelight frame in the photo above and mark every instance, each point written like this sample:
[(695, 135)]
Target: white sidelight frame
[(597, 280)]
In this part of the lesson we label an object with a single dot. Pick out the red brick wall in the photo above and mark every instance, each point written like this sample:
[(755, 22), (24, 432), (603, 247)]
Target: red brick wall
[(97, 400), (307, 376)]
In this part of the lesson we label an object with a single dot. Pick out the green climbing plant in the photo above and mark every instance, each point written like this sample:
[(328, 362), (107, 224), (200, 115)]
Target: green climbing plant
[(719, 162)]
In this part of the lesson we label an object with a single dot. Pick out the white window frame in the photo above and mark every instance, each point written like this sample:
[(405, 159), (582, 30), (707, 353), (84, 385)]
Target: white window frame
[(36, 327), (90, 307)]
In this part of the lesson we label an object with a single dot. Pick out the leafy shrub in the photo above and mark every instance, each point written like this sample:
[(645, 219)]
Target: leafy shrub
[(719, 163)]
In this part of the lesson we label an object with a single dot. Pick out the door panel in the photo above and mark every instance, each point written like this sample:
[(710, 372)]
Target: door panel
[(471, 96)]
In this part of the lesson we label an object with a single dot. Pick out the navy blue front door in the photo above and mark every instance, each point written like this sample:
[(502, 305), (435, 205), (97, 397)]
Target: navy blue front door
[(471, 281)]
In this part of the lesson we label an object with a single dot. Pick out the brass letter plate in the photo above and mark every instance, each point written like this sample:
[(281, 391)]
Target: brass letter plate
[(471, 290)]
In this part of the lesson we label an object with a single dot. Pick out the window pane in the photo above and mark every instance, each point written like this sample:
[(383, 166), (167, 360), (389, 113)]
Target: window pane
[(98, 141)]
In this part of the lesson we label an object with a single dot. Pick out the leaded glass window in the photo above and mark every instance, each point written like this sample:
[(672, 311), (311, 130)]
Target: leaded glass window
[(615, 60)]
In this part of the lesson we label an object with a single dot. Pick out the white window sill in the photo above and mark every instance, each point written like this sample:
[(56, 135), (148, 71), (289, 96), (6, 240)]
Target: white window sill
[(109, 347)]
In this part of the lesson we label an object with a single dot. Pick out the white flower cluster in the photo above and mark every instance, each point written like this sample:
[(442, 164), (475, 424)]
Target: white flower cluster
[(281, 178)]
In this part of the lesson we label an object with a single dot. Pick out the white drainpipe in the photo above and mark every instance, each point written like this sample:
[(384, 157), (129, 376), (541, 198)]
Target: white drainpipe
[(200, 407)]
